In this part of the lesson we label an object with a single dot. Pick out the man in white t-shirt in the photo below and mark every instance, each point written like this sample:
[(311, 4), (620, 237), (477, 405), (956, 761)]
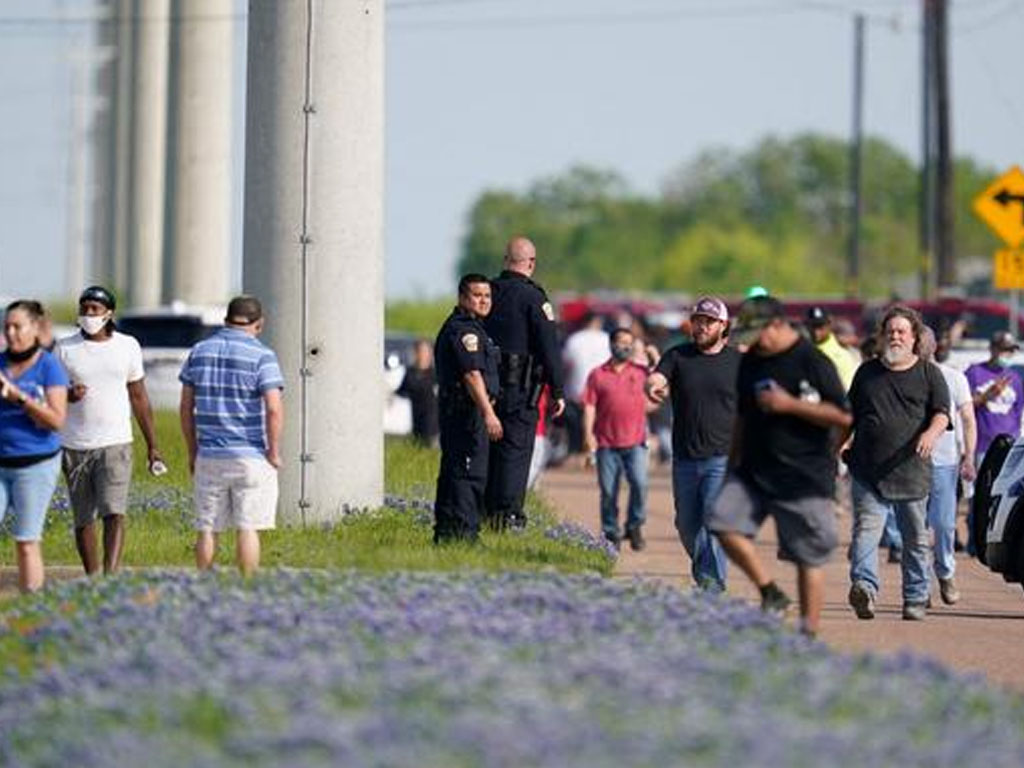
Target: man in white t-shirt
[(952, 457), (107, 387), (584, 350)]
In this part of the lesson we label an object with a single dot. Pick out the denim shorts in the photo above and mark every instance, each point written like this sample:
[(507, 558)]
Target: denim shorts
[(25, 493)]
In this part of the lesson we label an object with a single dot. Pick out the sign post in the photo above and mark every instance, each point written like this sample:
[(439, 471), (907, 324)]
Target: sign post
[(1001, 206)]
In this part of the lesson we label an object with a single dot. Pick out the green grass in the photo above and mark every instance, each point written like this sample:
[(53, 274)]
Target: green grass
[(422, 318), (159, 529)]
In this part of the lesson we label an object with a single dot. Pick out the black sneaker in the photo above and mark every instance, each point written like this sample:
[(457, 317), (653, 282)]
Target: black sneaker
[(774, 600), (636, 538), (895, 555), (614, 540), (862, 600)]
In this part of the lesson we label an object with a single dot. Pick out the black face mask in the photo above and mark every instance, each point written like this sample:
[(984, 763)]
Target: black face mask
[(21, 357)]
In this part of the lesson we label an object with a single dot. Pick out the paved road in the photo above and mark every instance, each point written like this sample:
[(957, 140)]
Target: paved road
[(983, 633)]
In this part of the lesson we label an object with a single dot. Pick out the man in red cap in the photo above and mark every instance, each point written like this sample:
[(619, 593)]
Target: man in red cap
[(700, 379)]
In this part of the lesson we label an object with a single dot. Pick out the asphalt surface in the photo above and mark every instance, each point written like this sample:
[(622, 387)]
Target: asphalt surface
[(983, 633)]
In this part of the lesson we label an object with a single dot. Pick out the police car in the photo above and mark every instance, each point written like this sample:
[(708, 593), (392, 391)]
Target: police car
[(998, 508)]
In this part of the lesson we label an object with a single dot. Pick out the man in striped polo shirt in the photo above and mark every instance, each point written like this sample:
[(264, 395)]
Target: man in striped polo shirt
[(231, 416)]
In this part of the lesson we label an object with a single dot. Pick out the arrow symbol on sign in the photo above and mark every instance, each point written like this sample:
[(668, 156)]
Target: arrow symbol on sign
[(1004, 197)]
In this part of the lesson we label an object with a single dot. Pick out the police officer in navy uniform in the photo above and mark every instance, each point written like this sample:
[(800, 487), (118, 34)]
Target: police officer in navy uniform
[(467, 375), (522, 324)]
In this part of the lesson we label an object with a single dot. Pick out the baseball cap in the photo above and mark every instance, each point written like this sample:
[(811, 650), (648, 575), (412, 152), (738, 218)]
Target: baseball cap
[(98, 294), (1004, 340), (817, 317), (711, 307), (754, 314)]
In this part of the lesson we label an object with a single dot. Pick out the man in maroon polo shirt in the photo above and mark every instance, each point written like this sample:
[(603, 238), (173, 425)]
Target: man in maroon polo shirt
[(615, 433)]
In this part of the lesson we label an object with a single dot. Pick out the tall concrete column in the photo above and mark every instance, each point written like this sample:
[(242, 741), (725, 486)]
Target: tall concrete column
[(313, 245), (116, 271), (103, 143), (149, 131), (198, 211)]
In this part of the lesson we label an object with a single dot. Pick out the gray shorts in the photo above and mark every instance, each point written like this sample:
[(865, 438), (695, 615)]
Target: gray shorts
[(98, 481), (806, 527)]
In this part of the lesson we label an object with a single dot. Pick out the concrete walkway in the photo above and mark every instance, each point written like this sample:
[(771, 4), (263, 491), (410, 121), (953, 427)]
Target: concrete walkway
[(983, 633)]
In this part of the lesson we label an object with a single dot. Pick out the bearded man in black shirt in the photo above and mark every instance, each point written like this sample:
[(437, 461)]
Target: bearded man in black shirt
[(783, 457), (900, 408)]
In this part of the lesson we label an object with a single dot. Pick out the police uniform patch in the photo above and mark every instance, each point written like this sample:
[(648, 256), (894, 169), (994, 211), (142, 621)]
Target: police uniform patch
[(549, 313), (471, 342)]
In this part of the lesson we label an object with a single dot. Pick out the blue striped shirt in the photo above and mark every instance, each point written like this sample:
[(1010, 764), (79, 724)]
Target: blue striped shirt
[(230, 372)]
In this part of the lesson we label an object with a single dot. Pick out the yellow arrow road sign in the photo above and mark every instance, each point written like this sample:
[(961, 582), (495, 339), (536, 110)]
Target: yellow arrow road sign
[(1001, 206)]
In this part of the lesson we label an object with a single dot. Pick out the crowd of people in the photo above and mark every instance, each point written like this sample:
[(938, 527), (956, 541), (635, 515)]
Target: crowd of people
[(765, 418), (68, 405)]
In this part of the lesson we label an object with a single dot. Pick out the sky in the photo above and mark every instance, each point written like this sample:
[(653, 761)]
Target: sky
[(495, 94)]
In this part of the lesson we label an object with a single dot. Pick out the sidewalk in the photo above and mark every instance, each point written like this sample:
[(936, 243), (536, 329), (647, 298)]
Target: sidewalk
[(983, 633)]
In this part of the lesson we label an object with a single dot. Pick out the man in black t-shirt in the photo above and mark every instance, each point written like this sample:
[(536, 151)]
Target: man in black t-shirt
[(700, 379), (790, 398), (900, 408)]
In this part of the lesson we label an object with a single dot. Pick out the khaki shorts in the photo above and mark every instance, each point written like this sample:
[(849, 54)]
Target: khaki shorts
[(98, 481), (239, 493)]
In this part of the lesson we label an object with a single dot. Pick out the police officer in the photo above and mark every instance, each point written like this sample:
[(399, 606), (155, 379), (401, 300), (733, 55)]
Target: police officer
[(523, 326), (467, 376)]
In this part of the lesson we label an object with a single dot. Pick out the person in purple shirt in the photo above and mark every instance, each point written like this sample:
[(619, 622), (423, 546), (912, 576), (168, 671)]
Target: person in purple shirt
[(998, 396), (997, 392)]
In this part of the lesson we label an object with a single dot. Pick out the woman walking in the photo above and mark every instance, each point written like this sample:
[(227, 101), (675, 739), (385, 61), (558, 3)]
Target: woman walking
[(33, 403)]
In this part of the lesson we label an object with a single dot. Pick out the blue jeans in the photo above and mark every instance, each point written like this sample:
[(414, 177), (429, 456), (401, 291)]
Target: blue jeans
[(612, 464), (695, 486), (25, 492), (869, 511), (942, 518), (891, 532)]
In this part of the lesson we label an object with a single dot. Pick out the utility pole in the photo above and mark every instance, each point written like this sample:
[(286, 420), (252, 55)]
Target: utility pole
[(856, 154), (926, 208), (943, 141)]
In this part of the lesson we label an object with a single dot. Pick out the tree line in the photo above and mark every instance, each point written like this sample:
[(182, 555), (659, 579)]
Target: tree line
[(776, 214)]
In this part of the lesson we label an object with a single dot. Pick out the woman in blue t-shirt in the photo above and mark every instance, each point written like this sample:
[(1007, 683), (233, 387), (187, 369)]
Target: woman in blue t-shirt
[(33, 402)]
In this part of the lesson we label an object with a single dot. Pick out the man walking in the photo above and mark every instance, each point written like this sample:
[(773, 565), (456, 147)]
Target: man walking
[(952, 458), (615, 432), (584, 351), (819, 324), (232, 414), (467, 375), (107, 388), (700, 379), (900, 406), (790, 398), (522, 324)]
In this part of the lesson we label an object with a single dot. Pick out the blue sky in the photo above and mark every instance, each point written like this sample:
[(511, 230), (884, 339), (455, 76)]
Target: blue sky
[(496, 93)]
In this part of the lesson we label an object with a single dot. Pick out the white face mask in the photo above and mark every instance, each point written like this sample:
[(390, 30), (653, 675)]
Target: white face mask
[(93, 324)]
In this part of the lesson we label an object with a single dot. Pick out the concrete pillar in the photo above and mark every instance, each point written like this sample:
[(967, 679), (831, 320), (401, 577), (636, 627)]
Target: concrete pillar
[(313, 244), (103, 142), (149, 131), (116, 271), (198, 212)]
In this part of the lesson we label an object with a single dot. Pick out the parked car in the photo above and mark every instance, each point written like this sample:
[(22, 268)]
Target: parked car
[(166, 334)]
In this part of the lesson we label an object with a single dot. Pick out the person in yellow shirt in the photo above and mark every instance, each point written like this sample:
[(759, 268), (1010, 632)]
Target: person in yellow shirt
[(819, 324)]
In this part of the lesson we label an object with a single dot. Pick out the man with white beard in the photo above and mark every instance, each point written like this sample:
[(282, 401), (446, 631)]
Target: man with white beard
[(900, 406)]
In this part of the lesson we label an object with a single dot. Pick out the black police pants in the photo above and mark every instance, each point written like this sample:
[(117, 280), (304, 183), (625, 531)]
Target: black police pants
[(510, 462), (459, 503)]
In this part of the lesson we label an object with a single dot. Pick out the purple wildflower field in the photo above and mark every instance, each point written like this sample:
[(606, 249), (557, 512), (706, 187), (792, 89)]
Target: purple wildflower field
[(309, 668)]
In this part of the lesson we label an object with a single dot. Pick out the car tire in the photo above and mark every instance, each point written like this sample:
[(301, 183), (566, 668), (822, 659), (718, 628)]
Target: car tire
[(981, 504)]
